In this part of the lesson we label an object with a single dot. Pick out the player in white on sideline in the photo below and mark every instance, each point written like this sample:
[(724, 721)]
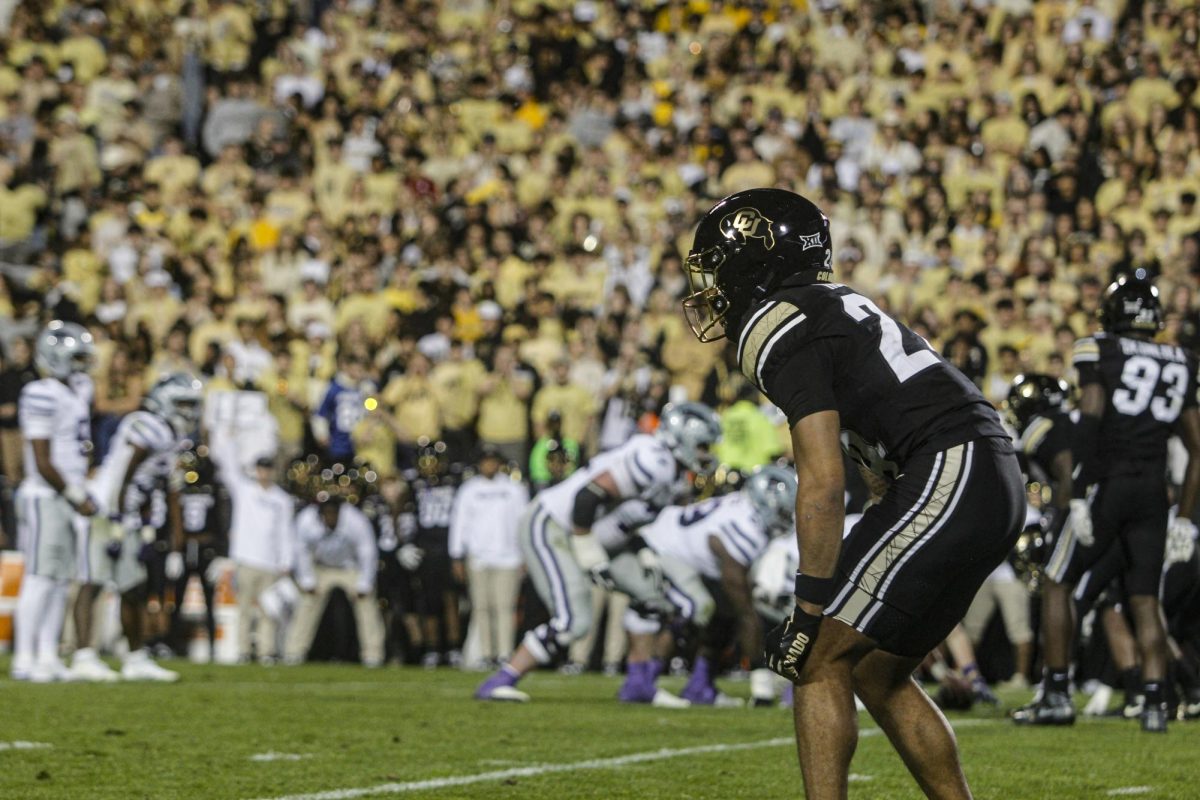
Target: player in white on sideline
[(716, 541), (54, 414), (487, 555), (143, 452), (261, 541), (560, 562), (335, 549)]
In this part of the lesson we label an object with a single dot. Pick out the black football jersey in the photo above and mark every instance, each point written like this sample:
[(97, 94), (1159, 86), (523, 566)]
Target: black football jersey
[(1043, 439), (825, 347), (432, 503), (1146, 387)]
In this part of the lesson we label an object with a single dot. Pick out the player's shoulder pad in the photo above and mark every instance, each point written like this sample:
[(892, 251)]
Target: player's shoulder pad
[(650, 462), (765, 328), (1087, 349), (151, 432), (42, 397)]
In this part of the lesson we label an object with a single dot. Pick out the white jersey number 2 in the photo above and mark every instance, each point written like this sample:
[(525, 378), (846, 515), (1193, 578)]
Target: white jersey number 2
[(891, 344)]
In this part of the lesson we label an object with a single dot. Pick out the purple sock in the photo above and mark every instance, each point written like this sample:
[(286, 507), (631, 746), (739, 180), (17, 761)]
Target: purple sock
[(700, 670), (654, 669), (508, 675)]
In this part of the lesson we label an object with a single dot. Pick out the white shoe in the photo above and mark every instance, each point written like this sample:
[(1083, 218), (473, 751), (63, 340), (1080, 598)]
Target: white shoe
[(139, 667), (664, 699), (725, 701), (508, 694), (19, 670), (50, 670), (87, 666)]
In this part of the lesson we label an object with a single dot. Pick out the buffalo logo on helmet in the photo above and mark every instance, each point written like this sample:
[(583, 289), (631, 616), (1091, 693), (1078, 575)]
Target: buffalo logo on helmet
[(748, 223)]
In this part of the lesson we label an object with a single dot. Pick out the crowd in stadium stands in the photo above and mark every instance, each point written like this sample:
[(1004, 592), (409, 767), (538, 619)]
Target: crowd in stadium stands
[(406, 220)]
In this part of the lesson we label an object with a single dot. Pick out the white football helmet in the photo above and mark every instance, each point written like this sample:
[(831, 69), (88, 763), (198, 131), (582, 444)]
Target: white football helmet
[(772, 492), (64, 349), (690, 430), (177, 398)]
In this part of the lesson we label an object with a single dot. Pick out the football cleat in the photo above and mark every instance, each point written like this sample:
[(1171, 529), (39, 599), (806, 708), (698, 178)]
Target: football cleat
[(86, 666), (49, 670), (664, 699), (1154, 718), (431, 660), (505, 694), (984, 694), (19, 671), (139, 666), (1133, 708), (1052, 708)]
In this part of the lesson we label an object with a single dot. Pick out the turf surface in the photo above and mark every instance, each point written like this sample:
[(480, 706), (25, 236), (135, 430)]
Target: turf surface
[(254, 732)]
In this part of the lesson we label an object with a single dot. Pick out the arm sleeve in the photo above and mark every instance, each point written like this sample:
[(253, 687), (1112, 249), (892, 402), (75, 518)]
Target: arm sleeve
[(460, 516), (287, 541), (305, 576), (801, 384), (1085, 357), (36, 412), (368, 555)]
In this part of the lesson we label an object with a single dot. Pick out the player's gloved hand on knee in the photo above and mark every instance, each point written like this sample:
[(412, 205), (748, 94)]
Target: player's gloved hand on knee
[(173, 567), (1079, 522), (789, 643), (113, 549), (592, 559), (410, 556), (1181, 541)]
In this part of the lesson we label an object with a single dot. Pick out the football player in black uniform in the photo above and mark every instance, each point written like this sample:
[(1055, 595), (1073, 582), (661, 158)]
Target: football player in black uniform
[(431, 489), (868, 609), (1134, 395)]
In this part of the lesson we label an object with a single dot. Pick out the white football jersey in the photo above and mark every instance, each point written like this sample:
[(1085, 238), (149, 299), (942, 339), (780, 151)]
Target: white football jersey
[(682, 532), (773, 574), (50, 409), (138, 430), (642, 468)]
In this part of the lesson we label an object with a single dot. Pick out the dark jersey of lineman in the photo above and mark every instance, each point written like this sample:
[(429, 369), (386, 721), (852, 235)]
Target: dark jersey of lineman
[(1146, 387), (825, 347), (432, 501), (1043, 439)]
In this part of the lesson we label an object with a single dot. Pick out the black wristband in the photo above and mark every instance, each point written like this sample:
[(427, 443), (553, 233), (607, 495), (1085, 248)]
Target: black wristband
[(818, 591)]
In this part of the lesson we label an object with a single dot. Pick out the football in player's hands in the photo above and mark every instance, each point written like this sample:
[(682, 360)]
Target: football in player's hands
[(788, 645)]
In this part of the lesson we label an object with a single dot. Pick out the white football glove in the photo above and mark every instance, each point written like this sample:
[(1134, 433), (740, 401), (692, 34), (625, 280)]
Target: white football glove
[(1181, 541), (216, 568), (1079, 523), (651, 568), (173, 567), (410, 556), (592, 559)]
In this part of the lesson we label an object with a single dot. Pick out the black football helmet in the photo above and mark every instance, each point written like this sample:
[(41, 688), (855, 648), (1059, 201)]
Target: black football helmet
[(1032, 394), (745, 247), (1131, 305), (432, 459)]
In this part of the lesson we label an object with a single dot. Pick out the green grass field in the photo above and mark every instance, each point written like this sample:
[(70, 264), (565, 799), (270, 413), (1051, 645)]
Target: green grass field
[(337, 732)]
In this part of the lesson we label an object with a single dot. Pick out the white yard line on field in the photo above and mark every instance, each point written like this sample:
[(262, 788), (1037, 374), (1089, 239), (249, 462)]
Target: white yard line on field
[(271, 755), (430, 784), (1126, 790), (24, 746)]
